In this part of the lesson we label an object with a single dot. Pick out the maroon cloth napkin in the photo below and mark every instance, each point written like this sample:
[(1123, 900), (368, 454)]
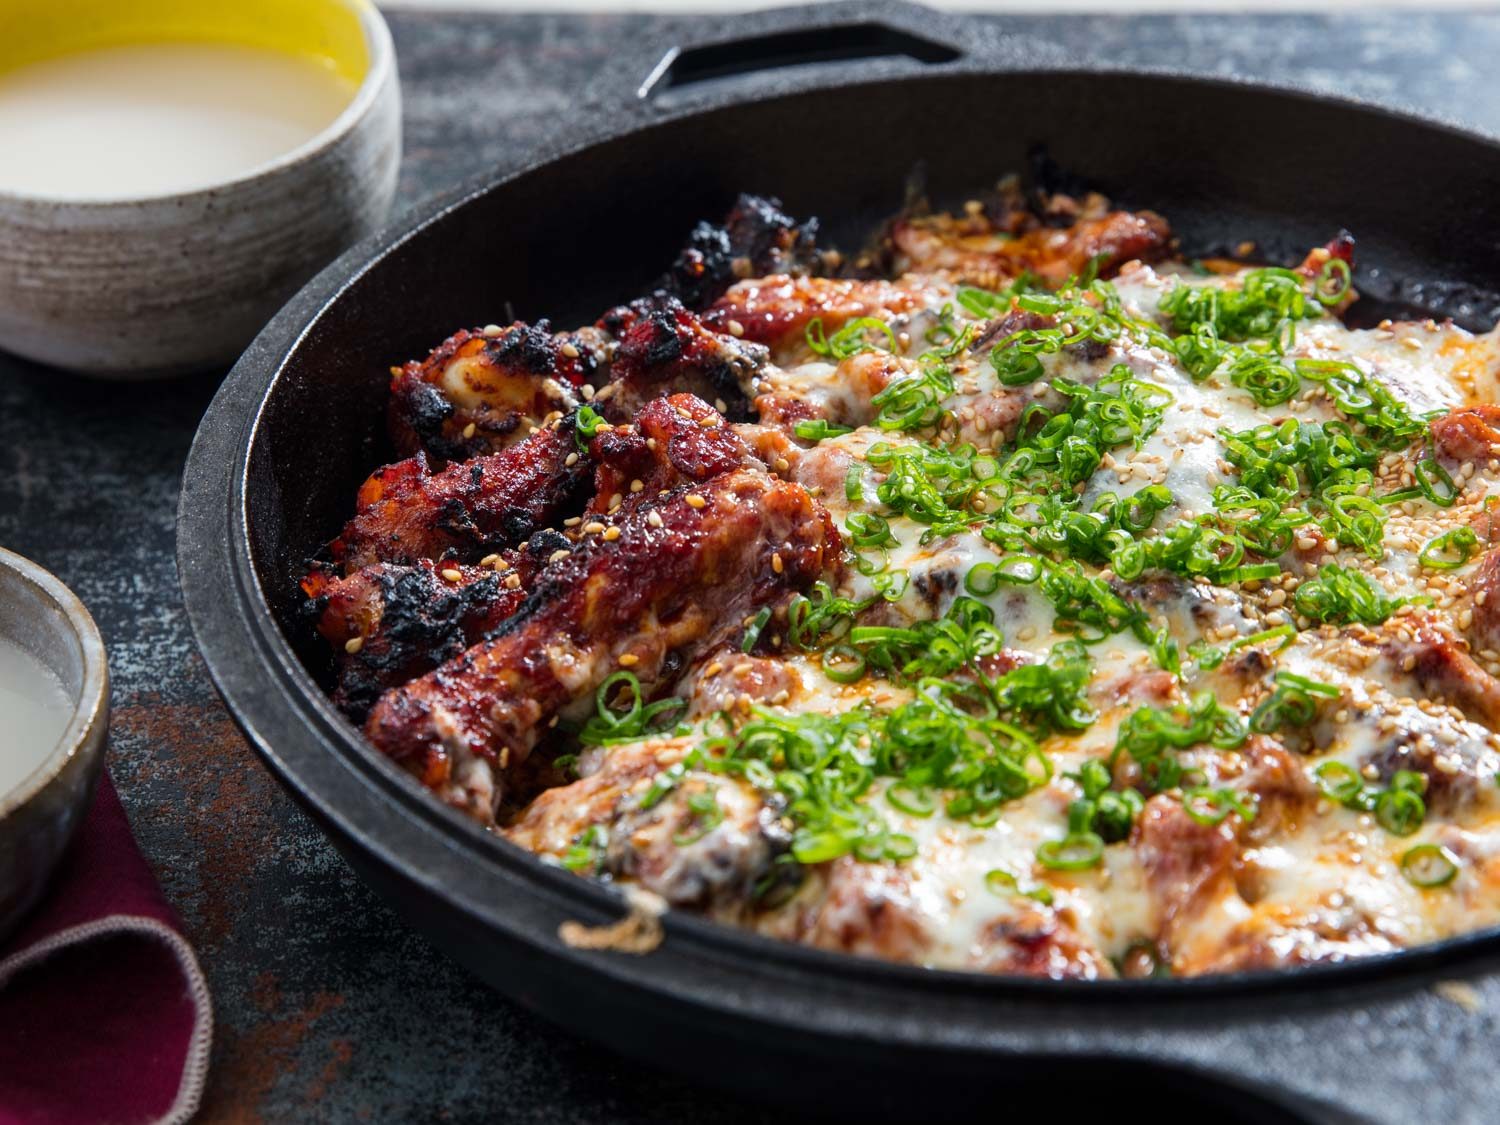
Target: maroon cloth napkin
[(104, 1012)]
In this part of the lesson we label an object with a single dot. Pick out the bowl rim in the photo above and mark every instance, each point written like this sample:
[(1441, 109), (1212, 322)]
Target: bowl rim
[(93, 693), (381, 70)]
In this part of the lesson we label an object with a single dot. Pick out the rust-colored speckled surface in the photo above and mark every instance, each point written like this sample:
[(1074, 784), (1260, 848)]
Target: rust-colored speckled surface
[(329, 1008)]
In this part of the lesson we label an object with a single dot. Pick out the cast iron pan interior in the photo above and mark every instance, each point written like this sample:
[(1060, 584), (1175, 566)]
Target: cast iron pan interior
[(299, 424)]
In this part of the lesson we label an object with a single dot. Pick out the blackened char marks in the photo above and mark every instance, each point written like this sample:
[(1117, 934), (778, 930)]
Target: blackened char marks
[(675, 441), (406, 513), (480, 391), (388, 624), (755, 239), (663, 586), (664, 349)]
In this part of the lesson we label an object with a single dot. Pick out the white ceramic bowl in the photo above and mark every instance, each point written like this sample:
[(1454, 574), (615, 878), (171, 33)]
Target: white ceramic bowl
[(39, 816), (159, 285)]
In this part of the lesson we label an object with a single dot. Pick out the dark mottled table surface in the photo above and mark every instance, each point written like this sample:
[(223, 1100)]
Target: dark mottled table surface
[(329, 1007)]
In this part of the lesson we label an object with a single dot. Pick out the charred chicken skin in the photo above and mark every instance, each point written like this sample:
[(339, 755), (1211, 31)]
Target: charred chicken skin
[(646, 593), (389, 624), (406, 512), (483, 390)]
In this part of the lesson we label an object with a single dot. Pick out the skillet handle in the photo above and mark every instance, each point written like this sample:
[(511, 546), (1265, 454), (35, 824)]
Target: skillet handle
[(784, 49), (793, 37)]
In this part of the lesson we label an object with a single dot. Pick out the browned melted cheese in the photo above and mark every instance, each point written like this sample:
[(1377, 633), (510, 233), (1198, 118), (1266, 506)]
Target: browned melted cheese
[(1308, 880)]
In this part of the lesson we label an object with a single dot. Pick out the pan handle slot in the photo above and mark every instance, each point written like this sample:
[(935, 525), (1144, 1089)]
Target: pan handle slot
[(688, 66)]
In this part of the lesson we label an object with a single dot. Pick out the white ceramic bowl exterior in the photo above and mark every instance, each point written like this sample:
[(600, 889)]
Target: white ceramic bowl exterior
[(38, 818), (162, 285)]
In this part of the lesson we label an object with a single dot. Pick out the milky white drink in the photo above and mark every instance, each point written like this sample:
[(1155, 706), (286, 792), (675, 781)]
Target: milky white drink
[(34, 712), (158, 118)]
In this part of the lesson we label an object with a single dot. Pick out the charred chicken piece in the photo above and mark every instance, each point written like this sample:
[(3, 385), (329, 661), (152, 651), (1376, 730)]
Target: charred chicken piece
[(719, 869), (776, 310), (646, 600), (976, 250), (406, 513), (664, 349), (390, 624), (675, 441), (1469, 433), (480, 391), (755, 239)]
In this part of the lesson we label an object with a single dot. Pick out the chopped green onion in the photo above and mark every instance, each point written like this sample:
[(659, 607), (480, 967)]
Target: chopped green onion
[(706, 815), (586, 424), (1400, 811), (753, 630), (1075, 852), (1339, 782), (1429, 865), (1333, 282), (1450, 550), (611, 724), (817, 429)]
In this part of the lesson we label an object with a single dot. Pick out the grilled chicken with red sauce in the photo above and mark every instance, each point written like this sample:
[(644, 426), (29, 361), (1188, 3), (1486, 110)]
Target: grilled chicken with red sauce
[(483, 390), (678, 574), (406, 513)]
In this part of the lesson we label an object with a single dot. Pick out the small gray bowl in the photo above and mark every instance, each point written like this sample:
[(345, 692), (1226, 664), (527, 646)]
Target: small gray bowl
[(38, 817), (159, 285)]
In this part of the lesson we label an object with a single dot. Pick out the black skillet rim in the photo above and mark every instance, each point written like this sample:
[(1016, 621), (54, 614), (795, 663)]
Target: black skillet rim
[(257, 372)]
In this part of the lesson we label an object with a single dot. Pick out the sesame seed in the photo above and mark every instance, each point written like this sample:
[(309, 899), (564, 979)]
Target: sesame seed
[(558, 556), (489, 560), (492, 330), (695, 501), (611, 534), (588, 392), (720, 405), (570, 350), (513, 581), (593, 527), (776, 564), (714, 669), (572, 521), (570, 460), (781, 465), (636, 486), (735, 328), (654, 519), (353, 645), (629, 660)]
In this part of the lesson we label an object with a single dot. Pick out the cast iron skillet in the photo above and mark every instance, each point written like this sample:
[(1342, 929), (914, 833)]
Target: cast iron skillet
[(299, 422)]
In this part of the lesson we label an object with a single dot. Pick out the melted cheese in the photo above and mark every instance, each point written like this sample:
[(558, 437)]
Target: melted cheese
[(1316, 881)]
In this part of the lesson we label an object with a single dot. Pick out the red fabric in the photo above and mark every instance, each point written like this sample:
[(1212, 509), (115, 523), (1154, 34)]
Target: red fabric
[(103, 1029)]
